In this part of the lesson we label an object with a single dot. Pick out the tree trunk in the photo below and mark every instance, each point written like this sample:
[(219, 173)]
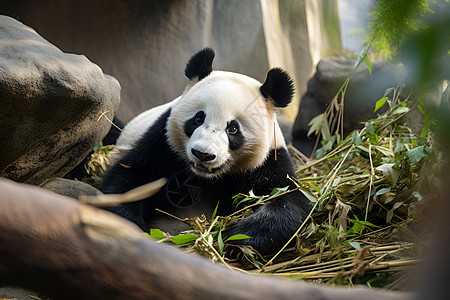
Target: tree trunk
[(64, 249)]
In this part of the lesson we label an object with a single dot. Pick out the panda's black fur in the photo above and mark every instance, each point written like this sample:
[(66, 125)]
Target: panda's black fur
[(152, 157)]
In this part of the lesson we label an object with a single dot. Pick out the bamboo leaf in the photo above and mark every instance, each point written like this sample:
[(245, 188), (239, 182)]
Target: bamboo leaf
[(215, 211), (384, 151), (157, 234), (240, 198), (390, 172), (380, 103), (315, 124), (389, 216), (246, 199), (389, 199), (396, 205), (373, 139), (278, 191), (383, 191), (97, 146), (367, 223), (220, 242), (310, 198), (399, 146), (388, 91), (362, 54), (416, 154), (325, 129), (370, 129), (184, 238), (355, 245), (426, 125), (237, 237), (317, 189), (401, 110), (356, 137), (390, 213), (368, 64), (419, 107)]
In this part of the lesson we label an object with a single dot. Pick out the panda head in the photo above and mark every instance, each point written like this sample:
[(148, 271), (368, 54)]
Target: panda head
[(224, 122)]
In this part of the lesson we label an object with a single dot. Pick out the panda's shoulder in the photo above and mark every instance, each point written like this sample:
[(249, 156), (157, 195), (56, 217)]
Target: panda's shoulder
[(150, 158), (155, 134), (274, 172), (140, 124)]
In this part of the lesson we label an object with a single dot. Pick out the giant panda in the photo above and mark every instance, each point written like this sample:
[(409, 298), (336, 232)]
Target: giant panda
[(218, 139)]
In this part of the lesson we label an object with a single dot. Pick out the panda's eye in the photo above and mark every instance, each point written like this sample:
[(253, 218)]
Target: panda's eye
[(232, 129), (199, 118)]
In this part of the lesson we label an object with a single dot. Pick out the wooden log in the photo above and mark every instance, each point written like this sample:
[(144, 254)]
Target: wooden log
[(67, 250)]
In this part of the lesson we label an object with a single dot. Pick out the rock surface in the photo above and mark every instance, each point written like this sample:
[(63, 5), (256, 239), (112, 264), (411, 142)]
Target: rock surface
[(362, 93), (146, 44), (50, 105), (70, 188)]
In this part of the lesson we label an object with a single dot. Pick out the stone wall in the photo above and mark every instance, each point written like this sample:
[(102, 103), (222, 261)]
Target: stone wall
[(146, 44)]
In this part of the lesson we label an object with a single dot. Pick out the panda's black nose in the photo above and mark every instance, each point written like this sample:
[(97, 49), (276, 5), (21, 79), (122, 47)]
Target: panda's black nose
[(203, 156)]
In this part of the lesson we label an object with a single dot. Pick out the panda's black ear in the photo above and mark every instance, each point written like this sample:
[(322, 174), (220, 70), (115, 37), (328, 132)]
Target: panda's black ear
[(200, 64), (278, 87)]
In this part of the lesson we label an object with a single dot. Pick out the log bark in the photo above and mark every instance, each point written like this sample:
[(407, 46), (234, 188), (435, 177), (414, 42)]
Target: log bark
[(67, 250)]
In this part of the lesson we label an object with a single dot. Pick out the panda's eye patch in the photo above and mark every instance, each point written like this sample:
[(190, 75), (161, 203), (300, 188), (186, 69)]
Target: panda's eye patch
[(193, 123), (235, 137), (233, 127)]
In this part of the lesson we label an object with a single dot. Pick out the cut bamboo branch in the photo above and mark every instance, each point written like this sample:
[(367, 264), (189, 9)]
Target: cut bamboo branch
[(136, 194)]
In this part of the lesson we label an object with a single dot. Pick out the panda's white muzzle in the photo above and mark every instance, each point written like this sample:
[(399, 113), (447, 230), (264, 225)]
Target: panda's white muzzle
[(203, 164), (208, 151)]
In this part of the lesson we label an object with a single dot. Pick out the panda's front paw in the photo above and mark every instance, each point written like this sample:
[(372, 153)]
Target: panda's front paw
[(259, 240), (270, 228), (262, 238)]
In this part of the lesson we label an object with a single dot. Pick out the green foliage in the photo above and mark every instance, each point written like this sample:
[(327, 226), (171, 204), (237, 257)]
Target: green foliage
[(355, 245), (417, 154), (157, 234), (392, 20), (253, 199), (96, 147), (308, 196), (356, 184), (182, 239), (363, 175), (368, 64), (359, 226), (205, 237), (238, 237)]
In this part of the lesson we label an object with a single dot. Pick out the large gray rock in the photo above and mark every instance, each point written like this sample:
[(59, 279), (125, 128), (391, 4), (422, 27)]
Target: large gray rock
[(362, 93), (146, 44), (70, 188), (50, 102)]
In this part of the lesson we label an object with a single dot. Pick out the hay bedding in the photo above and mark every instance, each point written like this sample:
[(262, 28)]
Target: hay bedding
[(368, 218), (364, 224)]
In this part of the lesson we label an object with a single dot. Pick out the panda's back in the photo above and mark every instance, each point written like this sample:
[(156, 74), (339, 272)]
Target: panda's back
[(134, 129)]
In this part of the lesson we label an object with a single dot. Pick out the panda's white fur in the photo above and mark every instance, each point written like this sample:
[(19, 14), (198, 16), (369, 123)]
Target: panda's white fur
[(218, 139), (134, 129)]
